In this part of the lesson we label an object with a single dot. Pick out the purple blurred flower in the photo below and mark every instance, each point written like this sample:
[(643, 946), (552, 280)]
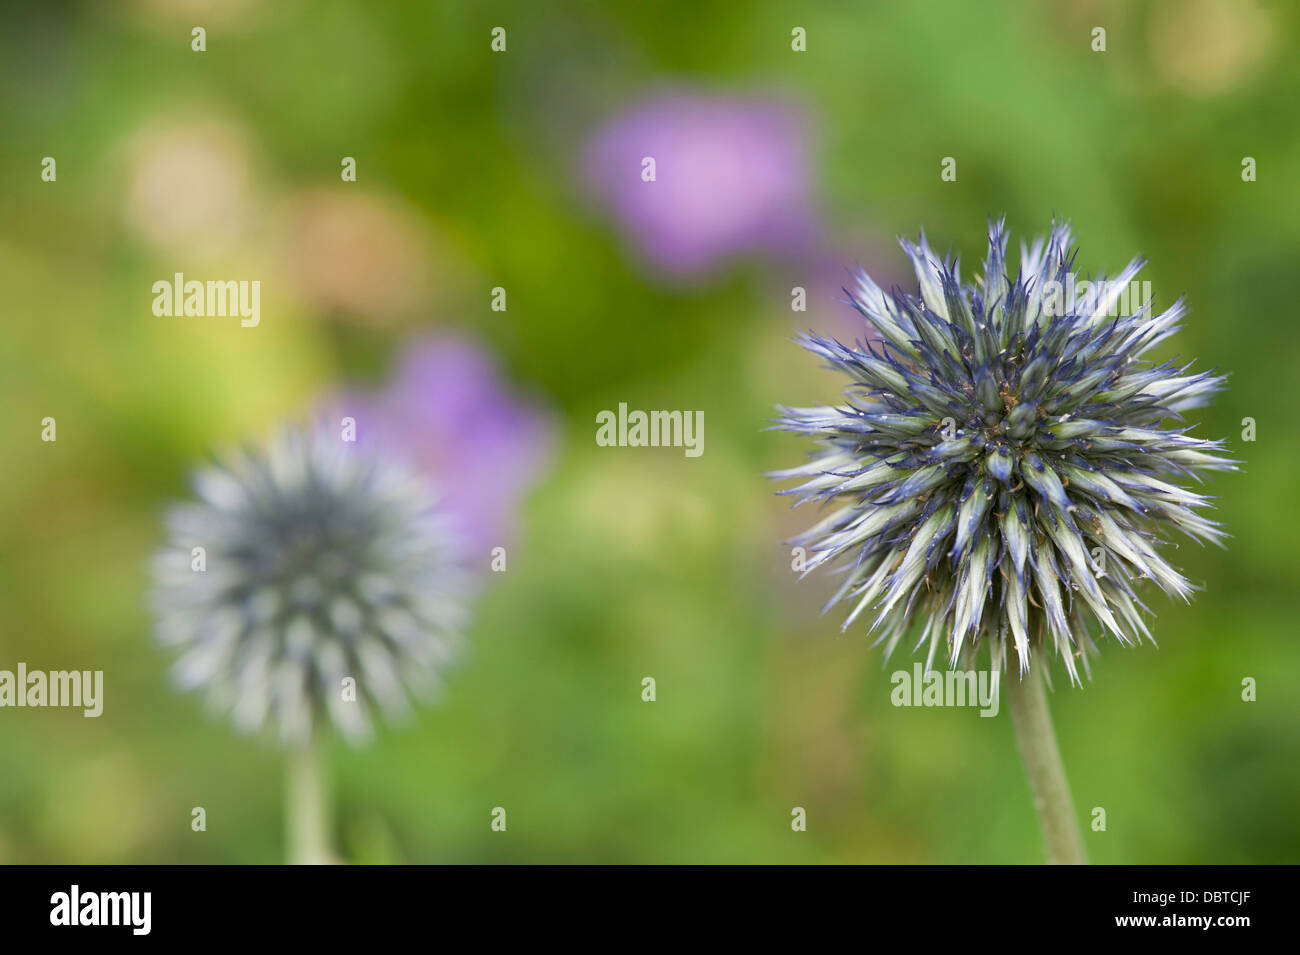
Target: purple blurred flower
[(731, 178), (448, 413), (828, 276)]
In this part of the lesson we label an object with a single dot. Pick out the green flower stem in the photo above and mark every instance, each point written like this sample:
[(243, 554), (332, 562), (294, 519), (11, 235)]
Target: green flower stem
[(306, 807), (1042, 758)]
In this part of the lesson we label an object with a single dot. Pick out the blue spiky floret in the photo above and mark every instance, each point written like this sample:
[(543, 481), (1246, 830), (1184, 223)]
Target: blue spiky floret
[(1003, 468)]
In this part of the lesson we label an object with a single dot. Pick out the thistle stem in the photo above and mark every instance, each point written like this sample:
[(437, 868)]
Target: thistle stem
[(306, 807), (1042, 758)]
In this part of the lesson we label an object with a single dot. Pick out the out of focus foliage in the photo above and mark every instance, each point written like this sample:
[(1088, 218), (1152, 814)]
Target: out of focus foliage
[(630, 562)]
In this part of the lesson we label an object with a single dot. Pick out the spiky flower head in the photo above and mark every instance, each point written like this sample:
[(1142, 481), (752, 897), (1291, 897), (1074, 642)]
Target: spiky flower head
[(1005, 464), (319, 564)]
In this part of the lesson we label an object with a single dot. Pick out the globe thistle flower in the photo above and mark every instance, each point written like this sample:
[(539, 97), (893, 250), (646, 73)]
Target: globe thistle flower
[(1006, 463), (320, 563)]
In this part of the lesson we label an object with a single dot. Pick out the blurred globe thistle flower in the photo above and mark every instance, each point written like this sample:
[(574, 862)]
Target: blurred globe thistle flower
[(328, 561), (320, 564), (731, 178), (1004, 467), (450, 415)]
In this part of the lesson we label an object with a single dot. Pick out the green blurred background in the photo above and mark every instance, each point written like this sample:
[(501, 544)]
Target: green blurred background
[(630, 562)]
